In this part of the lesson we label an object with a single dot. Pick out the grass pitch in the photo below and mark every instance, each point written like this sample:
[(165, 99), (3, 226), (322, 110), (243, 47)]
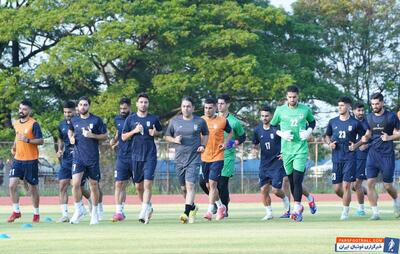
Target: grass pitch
[(242, 232)]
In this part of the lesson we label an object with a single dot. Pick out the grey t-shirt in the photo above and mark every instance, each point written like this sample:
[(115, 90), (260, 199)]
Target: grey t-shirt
[(191, 131)]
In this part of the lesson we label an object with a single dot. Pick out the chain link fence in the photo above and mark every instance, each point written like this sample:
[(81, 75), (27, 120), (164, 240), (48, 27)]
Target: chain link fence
[(245, 180)]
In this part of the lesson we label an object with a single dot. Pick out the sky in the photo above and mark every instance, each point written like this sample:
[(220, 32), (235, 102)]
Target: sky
[(283, 3)]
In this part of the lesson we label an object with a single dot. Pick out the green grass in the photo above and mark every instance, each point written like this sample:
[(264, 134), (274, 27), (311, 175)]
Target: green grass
[(243, 232)]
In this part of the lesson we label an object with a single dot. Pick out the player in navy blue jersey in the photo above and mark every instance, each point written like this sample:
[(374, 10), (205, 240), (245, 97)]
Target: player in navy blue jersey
[(123, 167), (85, 133), (271, 166), (383, 127), (65, 154), (141, 128), (361, 159), (341, 136)]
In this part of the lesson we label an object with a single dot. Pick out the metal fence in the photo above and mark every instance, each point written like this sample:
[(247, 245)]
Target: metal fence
[(245, 180)]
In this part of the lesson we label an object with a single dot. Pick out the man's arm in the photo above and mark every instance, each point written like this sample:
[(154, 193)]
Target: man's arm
[(13, 149), (60, 147), (37, 133)]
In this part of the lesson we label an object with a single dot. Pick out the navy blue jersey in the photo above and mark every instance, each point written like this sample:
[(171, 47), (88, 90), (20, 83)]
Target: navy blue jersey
[(270, 144), (86, 149), (63, 128), (344, 132), (362, 155), (387, 122), (143, 147), (124, 148)]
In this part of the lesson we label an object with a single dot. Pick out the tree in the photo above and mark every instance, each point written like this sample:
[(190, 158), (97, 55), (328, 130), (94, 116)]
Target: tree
[(363, 40)]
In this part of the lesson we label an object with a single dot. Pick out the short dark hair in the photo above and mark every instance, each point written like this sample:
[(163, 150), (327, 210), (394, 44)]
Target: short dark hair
[(377, 96), (187, 98), (359, 105), (84, 98), (345, 99), (292, 89), (26, 102), (210, 101), (224, 97), (69, 104), (125, 100), (266, 108), (142, 95)]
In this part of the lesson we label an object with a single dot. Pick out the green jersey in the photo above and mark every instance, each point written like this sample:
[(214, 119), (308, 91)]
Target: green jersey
[(293, 120), (229, 154)]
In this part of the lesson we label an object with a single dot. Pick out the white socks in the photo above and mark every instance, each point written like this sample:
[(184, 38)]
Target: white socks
[(16, 208), (286, 204), (64, 210)]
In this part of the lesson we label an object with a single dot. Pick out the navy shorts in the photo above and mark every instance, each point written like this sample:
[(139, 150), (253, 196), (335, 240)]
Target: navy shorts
[(189, 173), (380, 163), (344, 172), (360, 169), (89, 169), (212, 170), (26, 170), (143, 170), (123, 169), (273, 176), (65, 171)]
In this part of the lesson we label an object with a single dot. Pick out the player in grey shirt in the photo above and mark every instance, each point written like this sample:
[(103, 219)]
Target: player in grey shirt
[(189, 133)]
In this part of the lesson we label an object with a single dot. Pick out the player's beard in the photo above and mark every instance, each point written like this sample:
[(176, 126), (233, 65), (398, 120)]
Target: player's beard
[(377, 110), (83, 112), (21, 115), (124, 114)]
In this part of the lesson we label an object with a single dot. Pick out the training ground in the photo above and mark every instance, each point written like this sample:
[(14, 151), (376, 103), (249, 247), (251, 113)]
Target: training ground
[(242, 232)]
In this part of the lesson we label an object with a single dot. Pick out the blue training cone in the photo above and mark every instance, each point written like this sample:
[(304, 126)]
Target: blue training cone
[(48, 219), (26, 225), (4, 236)]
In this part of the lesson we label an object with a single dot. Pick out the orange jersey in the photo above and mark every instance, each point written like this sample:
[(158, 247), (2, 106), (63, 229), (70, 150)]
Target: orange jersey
[(216, 127), (30, 129)]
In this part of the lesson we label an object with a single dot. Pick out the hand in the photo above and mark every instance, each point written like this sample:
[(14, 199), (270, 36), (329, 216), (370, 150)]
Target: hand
[(153, 131), (279, 157), (13, 151), (87, 133), (59, 153), (254, 152), (352, 146), (138, 129), (22, 138), (363, 147), (222, 146), (178, 139), (200, 149), (385, 136), (114, 146), (286, 135), (332, 145), (305, 134)]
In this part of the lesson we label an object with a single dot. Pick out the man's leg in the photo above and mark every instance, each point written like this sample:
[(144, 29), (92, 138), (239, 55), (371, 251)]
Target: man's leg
[(34, 189), (79, 211), (223, 188), (360, 192), (63, 196), (346, 200), (388, 165), (12, 186), (266, 200), (95, 195)]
